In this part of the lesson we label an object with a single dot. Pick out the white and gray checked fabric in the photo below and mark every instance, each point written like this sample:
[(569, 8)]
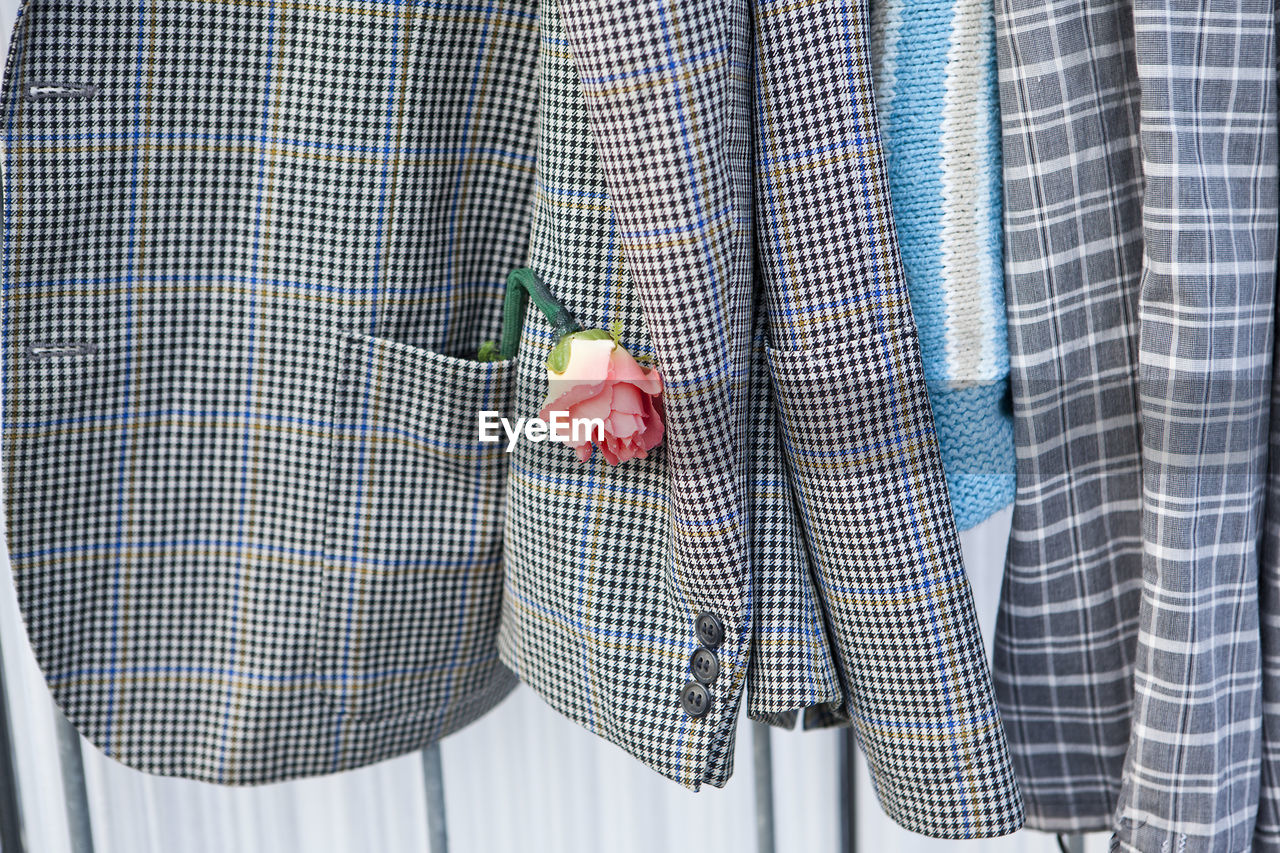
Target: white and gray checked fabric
[(244, 284), (1065, 636), (645, 156), (1266, 832), (845, 361), (1140, 198), (1209, 141), (245, 277)]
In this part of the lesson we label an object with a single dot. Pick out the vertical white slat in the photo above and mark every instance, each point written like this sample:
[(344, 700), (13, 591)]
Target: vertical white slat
[(806, 791), (526, 778), (374, 808), (31, 710), (35, 741), (984, 549)]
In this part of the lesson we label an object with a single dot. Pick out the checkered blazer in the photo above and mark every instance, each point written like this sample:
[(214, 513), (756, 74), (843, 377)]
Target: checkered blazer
[(1136, 655), (799, 497), (250, 251)]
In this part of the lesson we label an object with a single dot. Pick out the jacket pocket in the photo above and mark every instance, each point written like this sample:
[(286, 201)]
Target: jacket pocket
[(412, 577)]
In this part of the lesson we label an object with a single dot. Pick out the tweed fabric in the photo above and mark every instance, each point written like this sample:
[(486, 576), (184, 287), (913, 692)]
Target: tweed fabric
[(245, 276), (1127, 657), (935, 88)]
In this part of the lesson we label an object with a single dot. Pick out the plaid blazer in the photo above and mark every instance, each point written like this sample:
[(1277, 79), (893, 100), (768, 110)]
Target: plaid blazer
[(798, 503), (1136, 655), (250, 249)]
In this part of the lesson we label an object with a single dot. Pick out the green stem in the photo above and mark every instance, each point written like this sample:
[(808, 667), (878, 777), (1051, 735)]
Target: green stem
[(522, 285)]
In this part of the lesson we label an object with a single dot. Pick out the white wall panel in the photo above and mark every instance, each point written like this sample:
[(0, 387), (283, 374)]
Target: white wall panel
[(525, 778)]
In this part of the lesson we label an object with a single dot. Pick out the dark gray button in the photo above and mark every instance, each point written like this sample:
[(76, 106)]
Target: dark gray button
[(710, 630), (705, 665), (695, 700)]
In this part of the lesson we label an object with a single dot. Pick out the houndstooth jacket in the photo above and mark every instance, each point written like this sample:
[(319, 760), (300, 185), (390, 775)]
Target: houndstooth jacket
[(250, 250)]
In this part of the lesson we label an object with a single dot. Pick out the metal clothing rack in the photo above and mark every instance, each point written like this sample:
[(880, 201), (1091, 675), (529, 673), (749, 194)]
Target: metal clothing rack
[(71, 767), (762, 755), (74, 790), (80, 828)]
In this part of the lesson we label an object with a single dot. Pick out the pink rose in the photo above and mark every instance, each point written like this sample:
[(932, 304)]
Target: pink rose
[(590, 375)]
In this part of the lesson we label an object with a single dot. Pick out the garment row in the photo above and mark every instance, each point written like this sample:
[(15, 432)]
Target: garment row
[(895, 265)]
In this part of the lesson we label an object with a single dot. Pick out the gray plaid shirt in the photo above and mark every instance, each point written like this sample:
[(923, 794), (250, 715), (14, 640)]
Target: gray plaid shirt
[(1140, 197)]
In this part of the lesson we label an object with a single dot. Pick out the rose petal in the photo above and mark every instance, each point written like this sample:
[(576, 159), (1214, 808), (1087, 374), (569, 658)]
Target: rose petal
[(624, 368), (654, 427), (585, 373), (623, 425), (627, 398), (625, 448), (563, 395), (588, 361), (609, 455), (604, 381), (598, 406)]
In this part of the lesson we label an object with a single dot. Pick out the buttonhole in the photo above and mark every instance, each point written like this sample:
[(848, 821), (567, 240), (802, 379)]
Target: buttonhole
[(48, 91), (41, 352)]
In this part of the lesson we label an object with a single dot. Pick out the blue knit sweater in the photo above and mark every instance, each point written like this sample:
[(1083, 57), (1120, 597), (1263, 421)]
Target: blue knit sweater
[(936, 95)]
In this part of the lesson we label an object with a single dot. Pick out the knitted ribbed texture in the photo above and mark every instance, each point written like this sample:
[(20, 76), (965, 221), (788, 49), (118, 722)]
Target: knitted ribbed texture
[(935, 70), (976, 434)]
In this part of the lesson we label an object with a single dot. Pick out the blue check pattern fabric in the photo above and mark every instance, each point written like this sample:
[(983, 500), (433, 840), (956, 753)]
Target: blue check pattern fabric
[(249, 253), (799, 496), (1133, 653), (245, 283)]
